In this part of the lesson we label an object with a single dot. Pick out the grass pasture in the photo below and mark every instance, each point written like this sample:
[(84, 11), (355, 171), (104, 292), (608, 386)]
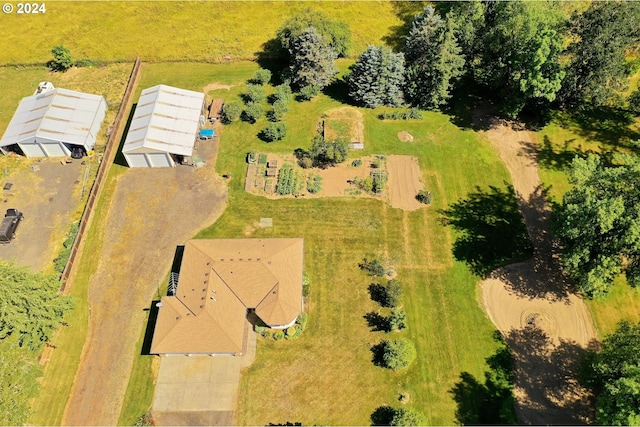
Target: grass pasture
[(327, 376), (179, 30)]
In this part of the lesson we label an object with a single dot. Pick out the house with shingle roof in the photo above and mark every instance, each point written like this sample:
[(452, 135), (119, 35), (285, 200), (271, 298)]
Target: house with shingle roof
[(221, 282)]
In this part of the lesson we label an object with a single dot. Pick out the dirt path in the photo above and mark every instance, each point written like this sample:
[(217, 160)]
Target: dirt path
[(547, 326), (152, 211)]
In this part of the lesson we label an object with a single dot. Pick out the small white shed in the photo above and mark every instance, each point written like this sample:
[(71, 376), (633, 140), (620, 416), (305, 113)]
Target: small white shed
[(165, 124), (53, 122)]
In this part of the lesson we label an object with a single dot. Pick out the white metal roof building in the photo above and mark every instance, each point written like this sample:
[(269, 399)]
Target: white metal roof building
[(51, 123), (165, 123)]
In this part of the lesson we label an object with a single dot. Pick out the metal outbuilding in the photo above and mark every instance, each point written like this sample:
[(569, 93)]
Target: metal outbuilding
[(165, 125), (53, 122)]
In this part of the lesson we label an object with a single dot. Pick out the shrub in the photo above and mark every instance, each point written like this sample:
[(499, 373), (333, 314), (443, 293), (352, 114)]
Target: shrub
[(291, 331), (393, 293), (373, 267), (366, 184), (398, 354), (87, 63), (356, 163), (61, 261), (305, 162), (278, 335), (231, 111), (424, 196), (412, 113), (253, 112), (254, 95), (144, 420), (308, 92), (302, 319), (397, 320), (259, 329), (61, 59), (379, 181), (314, 184), (407, 417), (282, 93), (273, 132), (262, 76)]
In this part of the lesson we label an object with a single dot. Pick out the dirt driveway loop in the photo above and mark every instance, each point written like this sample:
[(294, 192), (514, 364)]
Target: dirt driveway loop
[(545, 324)]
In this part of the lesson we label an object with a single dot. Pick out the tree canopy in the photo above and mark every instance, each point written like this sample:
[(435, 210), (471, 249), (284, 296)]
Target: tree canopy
[(598, 222), (407, 417), (521, 49), (61, 59), (19, 373), (336, 33), (311, 60), (614, 375), (377, 78), (601, 36), (31, 308), (434, 59)]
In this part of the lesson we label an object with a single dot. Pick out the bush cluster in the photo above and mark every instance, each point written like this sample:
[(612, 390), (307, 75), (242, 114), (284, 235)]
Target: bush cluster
[(314, 184), (410, 114), (273, 132)]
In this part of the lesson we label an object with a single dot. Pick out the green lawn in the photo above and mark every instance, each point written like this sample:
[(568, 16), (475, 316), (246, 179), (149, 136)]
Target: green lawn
[(327, 376), (179, 30)]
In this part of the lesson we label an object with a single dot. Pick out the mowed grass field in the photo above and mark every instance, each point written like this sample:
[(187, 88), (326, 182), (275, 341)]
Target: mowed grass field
[(327, 376), (179, 30)]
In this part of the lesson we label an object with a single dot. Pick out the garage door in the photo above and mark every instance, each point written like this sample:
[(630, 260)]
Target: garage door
[(32, 150), (54, 150), (136, 160), (160, 160)]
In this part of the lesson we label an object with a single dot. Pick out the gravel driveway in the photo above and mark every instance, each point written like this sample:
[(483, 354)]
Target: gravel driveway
[(152, 211)]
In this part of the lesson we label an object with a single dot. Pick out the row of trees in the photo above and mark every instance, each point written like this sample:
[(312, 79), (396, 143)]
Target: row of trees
[(520, 54)]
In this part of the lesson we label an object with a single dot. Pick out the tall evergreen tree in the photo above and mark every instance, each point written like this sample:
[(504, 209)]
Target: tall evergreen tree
[(434, 60), (602, 35), (31, 308), (377, 78), (468, 19), (311, 59)]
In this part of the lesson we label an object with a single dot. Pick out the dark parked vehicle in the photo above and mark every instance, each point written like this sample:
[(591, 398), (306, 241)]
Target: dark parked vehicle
[(77, 153), (9, 224)]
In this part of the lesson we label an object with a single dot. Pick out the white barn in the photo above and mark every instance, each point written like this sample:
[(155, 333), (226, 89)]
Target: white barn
[(165, 124), (53, 122)]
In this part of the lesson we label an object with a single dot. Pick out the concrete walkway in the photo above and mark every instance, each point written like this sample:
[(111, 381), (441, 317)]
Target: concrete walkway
[(200, 390)]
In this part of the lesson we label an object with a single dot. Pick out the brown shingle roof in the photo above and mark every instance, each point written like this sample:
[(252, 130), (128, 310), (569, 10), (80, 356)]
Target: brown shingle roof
[(219, 280)]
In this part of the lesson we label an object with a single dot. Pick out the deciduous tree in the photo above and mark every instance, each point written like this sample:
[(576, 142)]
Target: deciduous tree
[(601, 37), (398, 354), (614, 375), (336, 33), (377, 78), (598, 222), (408, 417), (522, 46), (19, 372)]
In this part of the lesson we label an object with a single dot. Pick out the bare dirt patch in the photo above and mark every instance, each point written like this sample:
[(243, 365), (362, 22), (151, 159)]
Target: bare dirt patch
[(215, 86), (47, 192), (152, 211), (343, 122), (404, 182), (547, 326), (405, 136)]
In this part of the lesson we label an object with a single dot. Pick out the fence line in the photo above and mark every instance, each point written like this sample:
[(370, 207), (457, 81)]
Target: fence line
[(108, 157)]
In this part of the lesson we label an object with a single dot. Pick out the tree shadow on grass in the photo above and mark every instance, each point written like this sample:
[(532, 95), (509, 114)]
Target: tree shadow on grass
[(377, 322), (382, 416), (377, 354), (491, 230), (490, 402), (607, 125), (405, 11), (338, 90), (378, 294)]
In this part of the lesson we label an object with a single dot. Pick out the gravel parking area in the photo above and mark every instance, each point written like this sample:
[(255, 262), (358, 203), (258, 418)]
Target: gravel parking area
[(48, 193)]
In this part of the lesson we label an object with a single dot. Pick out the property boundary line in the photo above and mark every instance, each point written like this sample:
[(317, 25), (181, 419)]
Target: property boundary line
[(108, 157)]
